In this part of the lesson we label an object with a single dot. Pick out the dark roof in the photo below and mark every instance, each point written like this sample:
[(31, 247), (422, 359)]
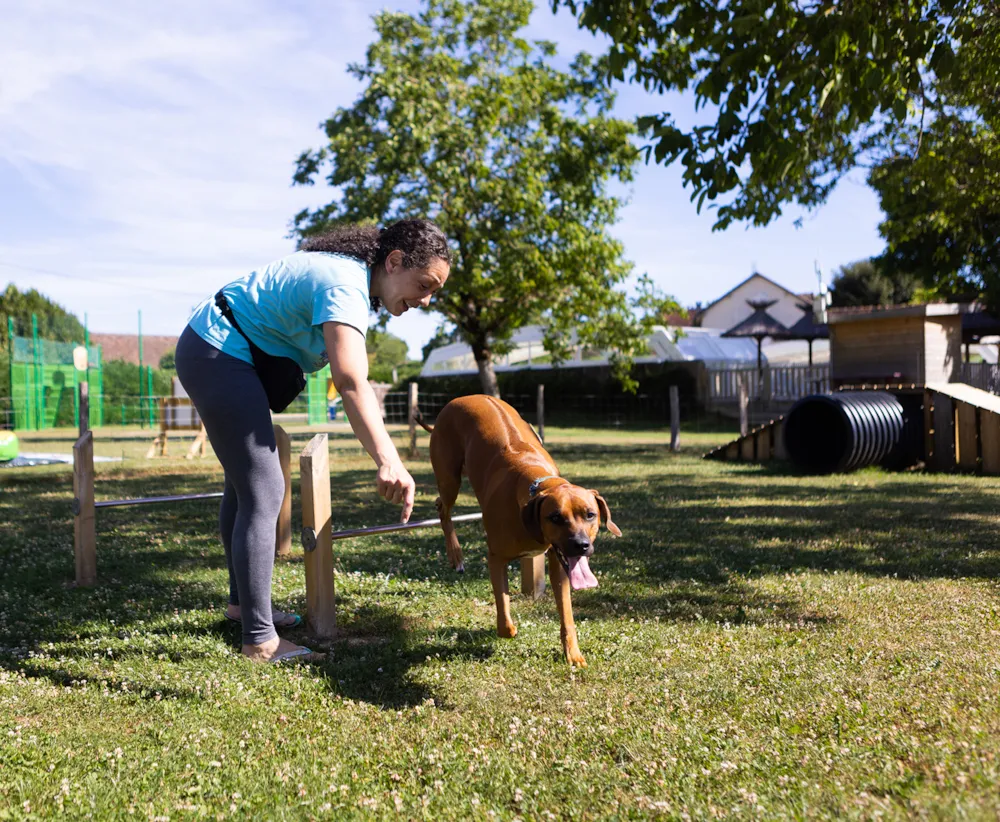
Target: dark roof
[(807, 328), (126, 347), (759, 324), (979, 324)]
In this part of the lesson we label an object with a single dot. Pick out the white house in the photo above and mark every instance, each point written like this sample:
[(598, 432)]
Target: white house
[(732, 307)]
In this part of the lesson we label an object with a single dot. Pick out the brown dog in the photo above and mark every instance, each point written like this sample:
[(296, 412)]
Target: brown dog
[(527, 507)]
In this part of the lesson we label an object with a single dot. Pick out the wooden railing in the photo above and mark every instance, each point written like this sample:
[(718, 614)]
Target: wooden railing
[(982, 375), (782, 383)]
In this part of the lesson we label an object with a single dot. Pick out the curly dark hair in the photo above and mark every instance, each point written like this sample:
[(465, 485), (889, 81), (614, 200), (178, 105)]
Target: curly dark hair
[(420, 241)]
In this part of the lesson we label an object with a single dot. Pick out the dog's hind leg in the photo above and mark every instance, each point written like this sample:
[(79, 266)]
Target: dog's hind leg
[(449, 481)]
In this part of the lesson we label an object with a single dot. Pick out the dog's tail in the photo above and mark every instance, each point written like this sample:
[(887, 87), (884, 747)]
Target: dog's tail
[(419, 418)]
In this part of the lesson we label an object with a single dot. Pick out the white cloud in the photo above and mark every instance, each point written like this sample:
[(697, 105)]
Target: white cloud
[(146, 151)]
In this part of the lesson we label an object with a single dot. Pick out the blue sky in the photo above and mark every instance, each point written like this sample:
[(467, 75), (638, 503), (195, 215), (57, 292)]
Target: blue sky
[(146, 154)]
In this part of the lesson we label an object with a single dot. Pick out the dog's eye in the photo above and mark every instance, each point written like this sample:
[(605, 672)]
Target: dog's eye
[(591, 515), (556, 518)]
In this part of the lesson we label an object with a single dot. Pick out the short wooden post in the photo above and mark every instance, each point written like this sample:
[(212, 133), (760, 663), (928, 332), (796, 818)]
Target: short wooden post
[(944, 433), (744, 403), (533, 576), (540, 412), (675, 418), (966, 436), (321, 611), (413, 420), (283, 532), (989, 437), (84, 389), (198, 446), (84, 526)]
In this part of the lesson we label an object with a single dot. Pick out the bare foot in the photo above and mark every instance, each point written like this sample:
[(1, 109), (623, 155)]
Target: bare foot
[(278, 647)]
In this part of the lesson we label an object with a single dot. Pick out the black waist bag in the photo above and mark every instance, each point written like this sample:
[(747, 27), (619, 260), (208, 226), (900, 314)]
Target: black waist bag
[(281, 377)]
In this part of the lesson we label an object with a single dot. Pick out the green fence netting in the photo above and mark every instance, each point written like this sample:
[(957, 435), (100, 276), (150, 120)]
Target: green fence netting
[(44, 384)]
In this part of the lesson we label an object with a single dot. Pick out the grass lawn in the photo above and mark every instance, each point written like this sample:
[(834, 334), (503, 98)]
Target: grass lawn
[(762, 645)]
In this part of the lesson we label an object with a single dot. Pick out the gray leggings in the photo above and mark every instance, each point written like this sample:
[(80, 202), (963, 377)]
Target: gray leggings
[(232, 404)]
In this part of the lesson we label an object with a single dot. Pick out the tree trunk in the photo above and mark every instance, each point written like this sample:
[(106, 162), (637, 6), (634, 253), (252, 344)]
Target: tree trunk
[(487, 376)]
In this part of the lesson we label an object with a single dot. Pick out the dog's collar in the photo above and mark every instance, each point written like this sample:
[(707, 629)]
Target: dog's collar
[(533, 488)]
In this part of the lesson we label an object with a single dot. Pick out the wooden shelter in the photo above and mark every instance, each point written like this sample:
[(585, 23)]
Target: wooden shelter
[(909, 344)]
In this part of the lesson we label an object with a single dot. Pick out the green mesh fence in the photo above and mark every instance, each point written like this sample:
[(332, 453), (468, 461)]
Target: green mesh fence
[(43, 383), (316, 384)]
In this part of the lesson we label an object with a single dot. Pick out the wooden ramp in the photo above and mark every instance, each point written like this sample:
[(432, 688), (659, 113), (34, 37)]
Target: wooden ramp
[(961, 428), (961, 431), (761, 444)]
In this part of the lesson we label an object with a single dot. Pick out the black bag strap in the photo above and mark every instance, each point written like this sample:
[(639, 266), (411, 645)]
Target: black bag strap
[(223, 305)]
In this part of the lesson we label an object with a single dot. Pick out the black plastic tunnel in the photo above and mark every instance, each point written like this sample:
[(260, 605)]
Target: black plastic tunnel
[(830, 433)]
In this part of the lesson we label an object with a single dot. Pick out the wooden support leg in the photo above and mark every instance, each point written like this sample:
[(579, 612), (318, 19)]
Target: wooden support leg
[(533, 576), (84, 526), (283, 533), (314, 463)]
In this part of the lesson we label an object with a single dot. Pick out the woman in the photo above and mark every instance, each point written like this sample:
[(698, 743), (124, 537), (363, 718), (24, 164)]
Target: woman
[(312, 308)]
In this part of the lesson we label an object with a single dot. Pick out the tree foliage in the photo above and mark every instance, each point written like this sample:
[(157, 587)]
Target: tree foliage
[(939, 186), (790, 95), (54, 321), (864, 283), (464, 121)]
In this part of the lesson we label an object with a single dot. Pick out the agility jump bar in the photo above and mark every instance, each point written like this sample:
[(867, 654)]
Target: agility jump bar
[(117, 503), (309, 535)]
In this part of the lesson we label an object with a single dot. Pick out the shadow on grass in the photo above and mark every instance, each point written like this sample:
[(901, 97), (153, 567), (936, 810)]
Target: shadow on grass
[(694, 538)]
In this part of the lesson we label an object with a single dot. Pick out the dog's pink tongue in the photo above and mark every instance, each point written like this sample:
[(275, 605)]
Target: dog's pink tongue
[(580, 575)]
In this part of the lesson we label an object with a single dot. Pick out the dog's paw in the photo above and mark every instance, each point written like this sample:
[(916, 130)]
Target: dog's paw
[(460, 567), (575, 658), (508, 631)]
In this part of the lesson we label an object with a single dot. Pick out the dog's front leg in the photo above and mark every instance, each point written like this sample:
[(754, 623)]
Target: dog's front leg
[(501, 592), (567, 628)]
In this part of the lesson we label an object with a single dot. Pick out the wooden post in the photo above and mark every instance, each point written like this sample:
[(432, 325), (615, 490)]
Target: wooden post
[(744, 401), (966, 436), (283, 532), (675, 418), (540, 412), (413, 420), (321, 611), (989, 437), (533, 576), (84, 526), (84, 389), (198, 445)]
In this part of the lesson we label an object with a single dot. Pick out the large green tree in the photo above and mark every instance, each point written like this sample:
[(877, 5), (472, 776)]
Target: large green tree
[(939, 184), (464, 121), (791, 94), (864, 283)]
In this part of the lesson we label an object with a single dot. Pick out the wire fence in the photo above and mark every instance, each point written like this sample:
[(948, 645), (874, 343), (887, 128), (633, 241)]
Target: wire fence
[(583, 410), (580, 410)]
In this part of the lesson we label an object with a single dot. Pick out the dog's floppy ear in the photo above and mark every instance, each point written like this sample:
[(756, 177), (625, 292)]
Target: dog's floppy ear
[(531, 518), (602, 506)]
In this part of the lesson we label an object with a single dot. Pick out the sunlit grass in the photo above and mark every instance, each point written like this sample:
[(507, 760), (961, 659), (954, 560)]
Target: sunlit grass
[(762, 645)]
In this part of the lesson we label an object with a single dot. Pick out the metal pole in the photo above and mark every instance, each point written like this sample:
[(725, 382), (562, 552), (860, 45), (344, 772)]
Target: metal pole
[(10, 352), (540, 412), (400, 526), (118, 503), (140, 369), (86, 344), (39, 392)]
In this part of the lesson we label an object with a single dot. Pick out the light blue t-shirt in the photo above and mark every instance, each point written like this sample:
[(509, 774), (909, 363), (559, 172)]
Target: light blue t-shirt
[(282, 307)]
